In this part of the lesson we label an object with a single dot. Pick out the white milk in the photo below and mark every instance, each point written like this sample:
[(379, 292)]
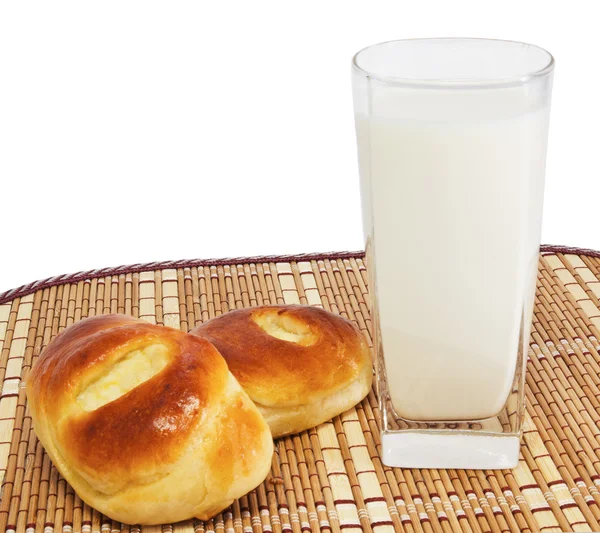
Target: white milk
[(456, 210)]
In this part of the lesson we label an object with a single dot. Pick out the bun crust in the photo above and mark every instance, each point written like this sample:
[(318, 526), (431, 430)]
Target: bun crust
[(301, 365), (146, 422)]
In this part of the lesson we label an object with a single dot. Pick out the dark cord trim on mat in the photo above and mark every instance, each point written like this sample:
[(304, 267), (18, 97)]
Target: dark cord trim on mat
[(549, 249), (24, 290)]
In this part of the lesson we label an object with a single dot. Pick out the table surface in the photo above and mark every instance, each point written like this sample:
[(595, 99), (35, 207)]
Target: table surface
[(329, 478)]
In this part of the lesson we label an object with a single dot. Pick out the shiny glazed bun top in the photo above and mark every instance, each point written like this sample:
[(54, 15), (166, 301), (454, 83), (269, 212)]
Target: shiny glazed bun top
[(301, 365), (146, 422)]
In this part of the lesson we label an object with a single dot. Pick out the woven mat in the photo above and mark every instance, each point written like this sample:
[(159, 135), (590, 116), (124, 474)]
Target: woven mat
[(329, 478)]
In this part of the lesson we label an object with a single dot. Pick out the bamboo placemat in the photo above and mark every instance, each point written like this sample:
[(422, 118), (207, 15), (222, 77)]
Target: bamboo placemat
[(329, 478)]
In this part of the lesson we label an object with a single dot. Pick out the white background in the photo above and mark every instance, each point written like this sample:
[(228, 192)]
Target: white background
[(142, 131)]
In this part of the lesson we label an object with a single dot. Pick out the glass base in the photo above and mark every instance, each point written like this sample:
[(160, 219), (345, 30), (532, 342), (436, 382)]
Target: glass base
[(414, 449)]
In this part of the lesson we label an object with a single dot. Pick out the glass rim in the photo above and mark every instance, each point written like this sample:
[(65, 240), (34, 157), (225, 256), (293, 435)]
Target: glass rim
[(482, 83)]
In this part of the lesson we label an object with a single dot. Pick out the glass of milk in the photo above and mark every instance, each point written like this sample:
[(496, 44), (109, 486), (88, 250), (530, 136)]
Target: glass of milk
[(452, 138)]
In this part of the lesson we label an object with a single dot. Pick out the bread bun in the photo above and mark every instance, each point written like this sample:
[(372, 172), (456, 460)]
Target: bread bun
[(145, 422), (300, 365)]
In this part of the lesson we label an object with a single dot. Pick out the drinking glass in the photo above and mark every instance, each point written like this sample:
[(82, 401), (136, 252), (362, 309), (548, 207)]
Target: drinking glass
[(452, 138)]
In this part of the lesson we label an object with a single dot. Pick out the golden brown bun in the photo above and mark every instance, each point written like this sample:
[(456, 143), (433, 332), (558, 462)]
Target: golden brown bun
[(145, 422), (300, 365)]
